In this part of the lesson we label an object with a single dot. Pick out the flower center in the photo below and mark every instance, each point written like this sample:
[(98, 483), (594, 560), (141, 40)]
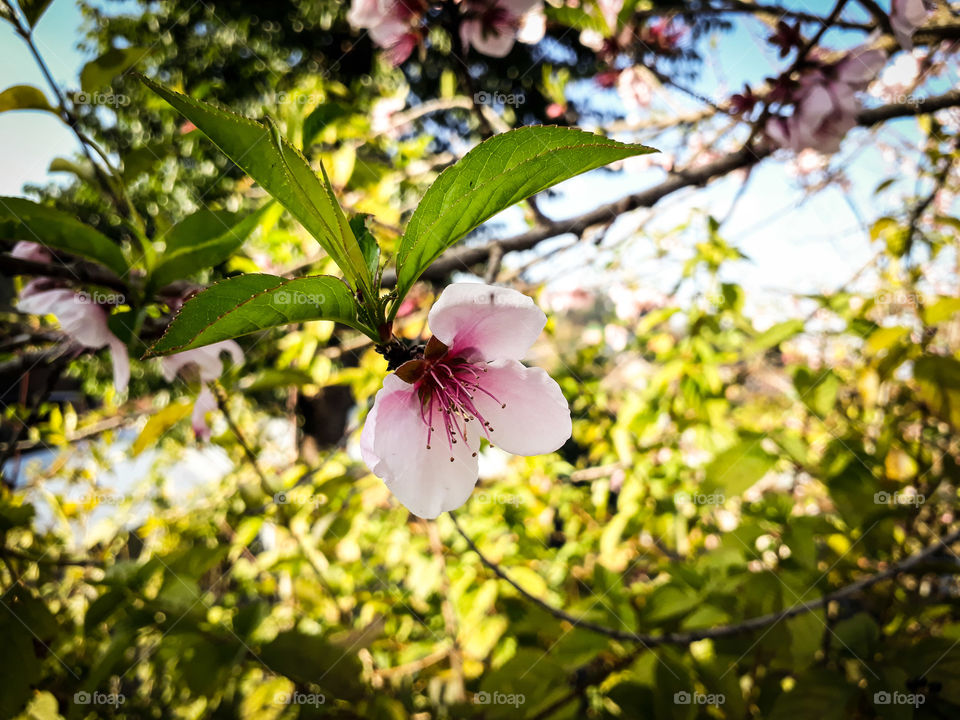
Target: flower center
[(447, 387)]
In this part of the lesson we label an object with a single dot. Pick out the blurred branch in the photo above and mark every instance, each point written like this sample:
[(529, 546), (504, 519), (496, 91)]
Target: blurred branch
[(723, 631), (83, 272), (465, 257)]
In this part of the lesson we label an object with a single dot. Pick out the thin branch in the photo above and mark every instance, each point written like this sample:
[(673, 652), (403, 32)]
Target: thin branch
[(466, 257), (723, 631), (84, 272)]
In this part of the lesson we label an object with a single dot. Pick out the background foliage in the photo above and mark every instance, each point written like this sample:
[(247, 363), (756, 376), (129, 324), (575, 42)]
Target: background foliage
[(722, 468)]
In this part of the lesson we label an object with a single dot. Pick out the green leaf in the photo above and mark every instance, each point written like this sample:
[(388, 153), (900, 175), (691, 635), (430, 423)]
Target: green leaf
[(938, 381), (281, 170), (24, 97), (202, 240), (248, 303), (101, 72), (493, 176), (368, 243), (158, 424), (82, 169), (736, 469), (25, 220), (34, 9), (774, 335), (818, 391), (313, 659), (818, 694)]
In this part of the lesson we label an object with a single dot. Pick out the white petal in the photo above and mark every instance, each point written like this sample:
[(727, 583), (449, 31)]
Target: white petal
[(496, 322), (394, 446), (536, 419)]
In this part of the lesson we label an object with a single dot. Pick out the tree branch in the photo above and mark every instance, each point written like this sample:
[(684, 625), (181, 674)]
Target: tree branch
[(465, 257), (746, 626)]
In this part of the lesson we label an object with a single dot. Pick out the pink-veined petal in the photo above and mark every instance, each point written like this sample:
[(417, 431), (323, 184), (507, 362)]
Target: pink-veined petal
[(394, 446), (497, 323), (536, 419)]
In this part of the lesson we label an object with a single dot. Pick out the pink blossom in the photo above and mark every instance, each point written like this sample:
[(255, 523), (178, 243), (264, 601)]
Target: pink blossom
[(206, 362), (898, 79), (492, 26), (635, 87), (826, 103), (382, 112), (424, 431), (391, 25), (569, 300), (82, 321), (35, 252), (905, 17)]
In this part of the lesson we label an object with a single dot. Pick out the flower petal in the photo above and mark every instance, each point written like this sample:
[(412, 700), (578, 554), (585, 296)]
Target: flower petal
[(497, 323), (121, 364), (207, 359), (394, 446), (536, 419), (27, 250), (205, 402)]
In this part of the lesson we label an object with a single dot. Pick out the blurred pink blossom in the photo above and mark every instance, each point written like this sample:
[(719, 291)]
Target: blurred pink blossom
[(629, 303), (206, 362), (81, 319), (826, 103), (905, 17), (569, 300), (492, 26), (391, 25), (635, 87)]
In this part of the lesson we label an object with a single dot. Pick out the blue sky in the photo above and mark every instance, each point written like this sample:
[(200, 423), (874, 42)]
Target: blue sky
[(795, 244)]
